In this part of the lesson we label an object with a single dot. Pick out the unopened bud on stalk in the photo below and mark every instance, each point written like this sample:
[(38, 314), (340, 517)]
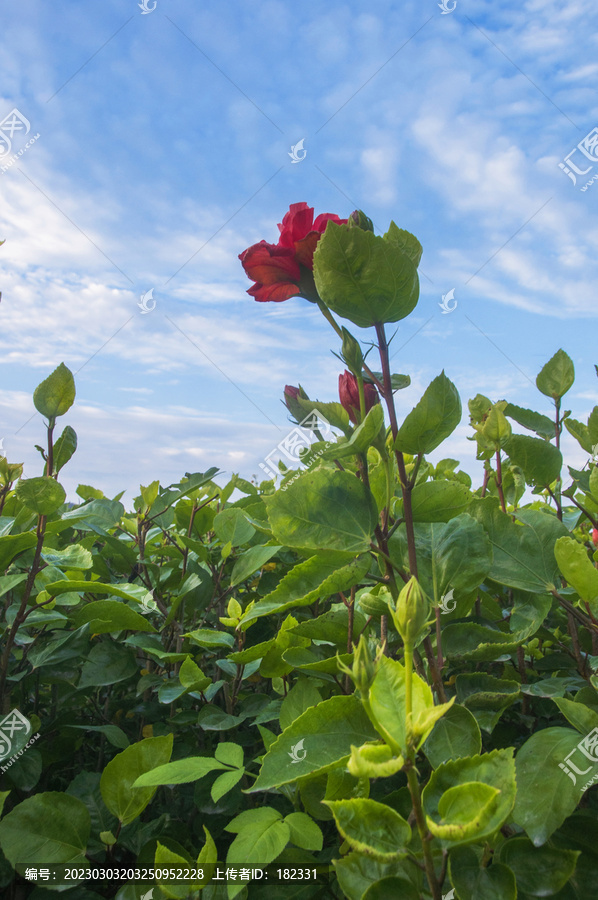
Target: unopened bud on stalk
[(358, 219), (290, 401), (412, 612), (351, 353), (364, 667)]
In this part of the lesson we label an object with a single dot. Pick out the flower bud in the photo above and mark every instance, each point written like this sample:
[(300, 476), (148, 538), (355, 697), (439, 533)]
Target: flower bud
[(351, 353), (364, 667), (348, 392), (412, 612), (358, 219), (290, 401), (595, 537)]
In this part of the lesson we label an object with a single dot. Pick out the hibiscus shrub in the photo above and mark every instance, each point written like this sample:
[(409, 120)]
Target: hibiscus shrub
[(361, 678)]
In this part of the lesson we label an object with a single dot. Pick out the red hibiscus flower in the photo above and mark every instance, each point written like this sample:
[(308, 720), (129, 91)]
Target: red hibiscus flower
[(349, 395), (595, 537), (299, 232), (284, 270)]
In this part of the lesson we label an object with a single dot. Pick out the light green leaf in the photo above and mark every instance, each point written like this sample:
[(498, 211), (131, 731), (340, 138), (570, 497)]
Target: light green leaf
[(47, 829), (105, 616), (225, 783), (304, 832), (363, 277), (495, 769), (533, 421), (371, 827), (319, 576), (252, 560), (363, 436), (72, 557), (232, 526), (439, 501), (317, 741), (64, 448), (122, 772), (578, 570), (41, 495), (324, 509), (546, 795), (56, 394), (557, 376), (387, 700), (523, 553), (465, 810), (182, 771), (261, 835), (540, 461), (433, 419)]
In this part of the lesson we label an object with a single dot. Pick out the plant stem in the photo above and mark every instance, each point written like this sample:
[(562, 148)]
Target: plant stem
[(422, 829)]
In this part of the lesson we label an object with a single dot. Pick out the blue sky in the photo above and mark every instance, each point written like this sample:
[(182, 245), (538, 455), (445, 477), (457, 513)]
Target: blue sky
[(163, 152)]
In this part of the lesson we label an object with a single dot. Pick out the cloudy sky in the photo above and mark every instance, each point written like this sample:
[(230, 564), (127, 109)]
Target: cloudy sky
[(163, 152)]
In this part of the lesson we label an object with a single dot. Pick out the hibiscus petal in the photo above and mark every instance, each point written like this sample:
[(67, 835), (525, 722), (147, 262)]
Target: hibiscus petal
[(273, 292)]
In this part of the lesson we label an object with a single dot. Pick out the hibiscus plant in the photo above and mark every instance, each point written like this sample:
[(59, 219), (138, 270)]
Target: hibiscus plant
[(361, 677)]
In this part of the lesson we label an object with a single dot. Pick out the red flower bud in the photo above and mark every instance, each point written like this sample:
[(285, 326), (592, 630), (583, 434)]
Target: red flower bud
[(595, 537), (291, 391), (348, 392)]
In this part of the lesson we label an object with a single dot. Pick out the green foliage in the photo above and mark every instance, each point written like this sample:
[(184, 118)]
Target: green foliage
[(375, 668)]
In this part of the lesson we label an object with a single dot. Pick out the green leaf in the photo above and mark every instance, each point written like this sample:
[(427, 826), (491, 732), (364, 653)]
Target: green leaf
[(105, 616), (41, 495), (474, 882), (539, 871), (387, 701), (486, 697), (495, 769), (250, 561), (73, 557), (231, 525), (126, 591), (304, 832), (332, 626), (465, 810), (371, 827), (182, 771), (191, 676), (406, 242), (467, 640), (64, 448), (455, 735), (580, 432), (533, 421), (439, 501), (302, 696), (578, 570), (324, 510), (107, 663), (209, 639), (47, 829), (456, 555), (433, 419), (225, 783), (114, 734), (546, 795), (55, 396), (540, 461), (362, 877), (325, 732), (319, 576), (523, 553), (122, 772), (362, 438), (363, 277), (557, 376), (261, 835), (578, 714)]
